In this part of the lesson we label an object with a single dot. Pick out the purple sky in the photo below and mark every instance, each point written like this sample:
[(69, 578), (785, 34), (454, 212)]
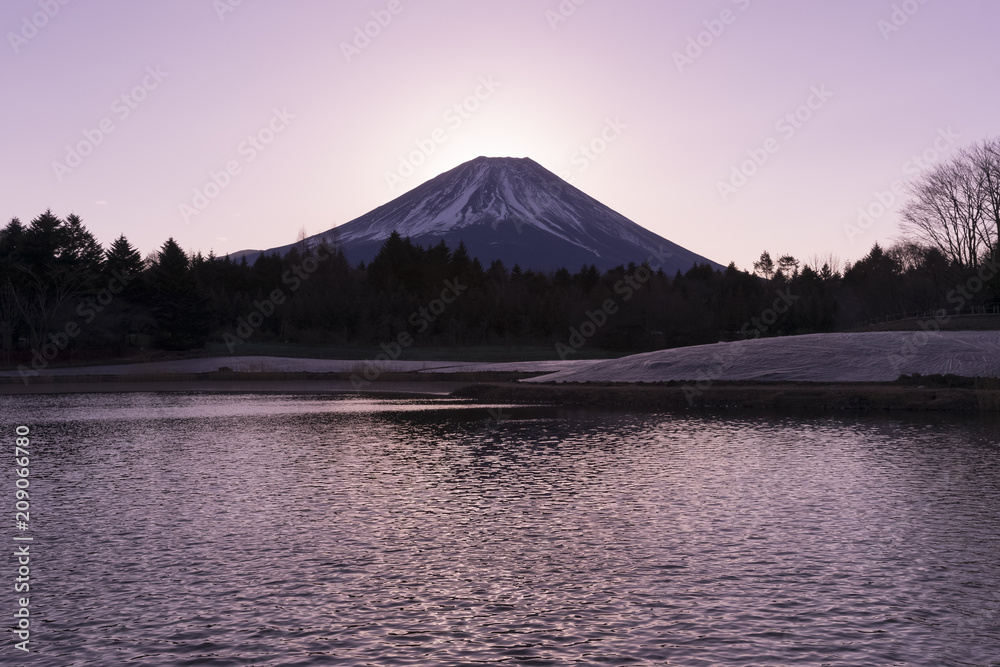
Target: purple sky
[(885, 85)]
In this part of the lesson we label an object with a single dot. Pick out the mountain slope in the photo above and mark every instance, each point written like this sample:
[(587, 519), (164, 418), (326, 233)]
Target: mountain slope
[(511, 209)]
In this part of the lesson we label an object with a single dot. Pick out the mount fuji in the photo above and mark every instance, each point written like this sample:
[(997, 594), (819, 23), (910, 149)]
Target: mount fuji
[(511, 209)]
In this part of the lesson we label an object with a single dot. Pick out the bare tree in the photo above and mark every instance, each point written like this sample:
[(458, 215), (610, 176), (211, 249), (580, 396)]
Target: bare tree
[(43, 297), (300, 240), (986, 160), (910, 256), (955, 207), (827, 265)]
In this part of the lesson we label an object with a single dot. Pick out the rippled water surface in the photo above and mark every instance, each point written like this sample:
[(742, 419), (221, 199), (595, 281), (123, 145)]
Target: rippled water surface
[(199, 529)]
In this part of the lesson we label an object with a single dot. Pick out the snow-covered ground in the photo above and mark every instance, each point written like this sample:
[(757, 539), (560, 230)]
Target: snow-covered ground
[(520, 366), (840, 357)]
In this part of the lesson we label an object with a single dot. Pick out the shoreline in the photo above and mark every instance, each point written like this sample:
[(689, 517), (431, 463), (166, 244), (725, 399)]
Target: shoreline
[(429, 384), (439, 389), (812, 396), (964, 395)]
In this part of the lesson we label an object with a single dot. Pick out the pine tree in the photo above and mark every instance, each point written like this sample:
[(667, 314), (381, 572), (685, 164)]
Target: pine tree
[(11, 240), (122, 258), (765, 266), (81, 250), (42, 241), (788, 265), (180, 307), (59, 262), (126, 317)]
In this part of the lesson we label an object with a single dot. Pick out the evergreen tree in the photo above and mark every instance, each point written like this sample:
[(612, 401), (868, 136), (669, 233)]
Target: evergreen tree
[(788, 265), (81, 251), (126, 317), (11, 240), (122, 258), (58, 262), (764, 267), (180, 307), (42, 241)]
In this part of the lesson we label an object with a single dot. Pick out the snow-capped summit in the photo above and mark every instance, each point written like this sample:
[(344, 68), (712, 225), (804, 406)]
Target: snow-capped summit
[(511, 209)]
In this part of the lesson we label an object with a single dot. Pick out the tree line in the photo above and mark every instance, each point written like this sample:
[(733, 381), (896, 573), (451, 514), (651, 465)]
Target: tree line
[(64, 297), (61, 291)]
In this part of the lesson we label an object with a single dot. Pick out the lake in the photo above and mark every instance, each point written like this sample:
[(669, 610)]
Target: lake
[(269, 529)]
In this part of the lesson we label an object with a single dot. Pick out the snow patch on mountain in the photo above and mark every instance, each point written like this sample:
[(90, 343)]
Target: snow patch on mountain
[(494, 191), (511, 209)]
